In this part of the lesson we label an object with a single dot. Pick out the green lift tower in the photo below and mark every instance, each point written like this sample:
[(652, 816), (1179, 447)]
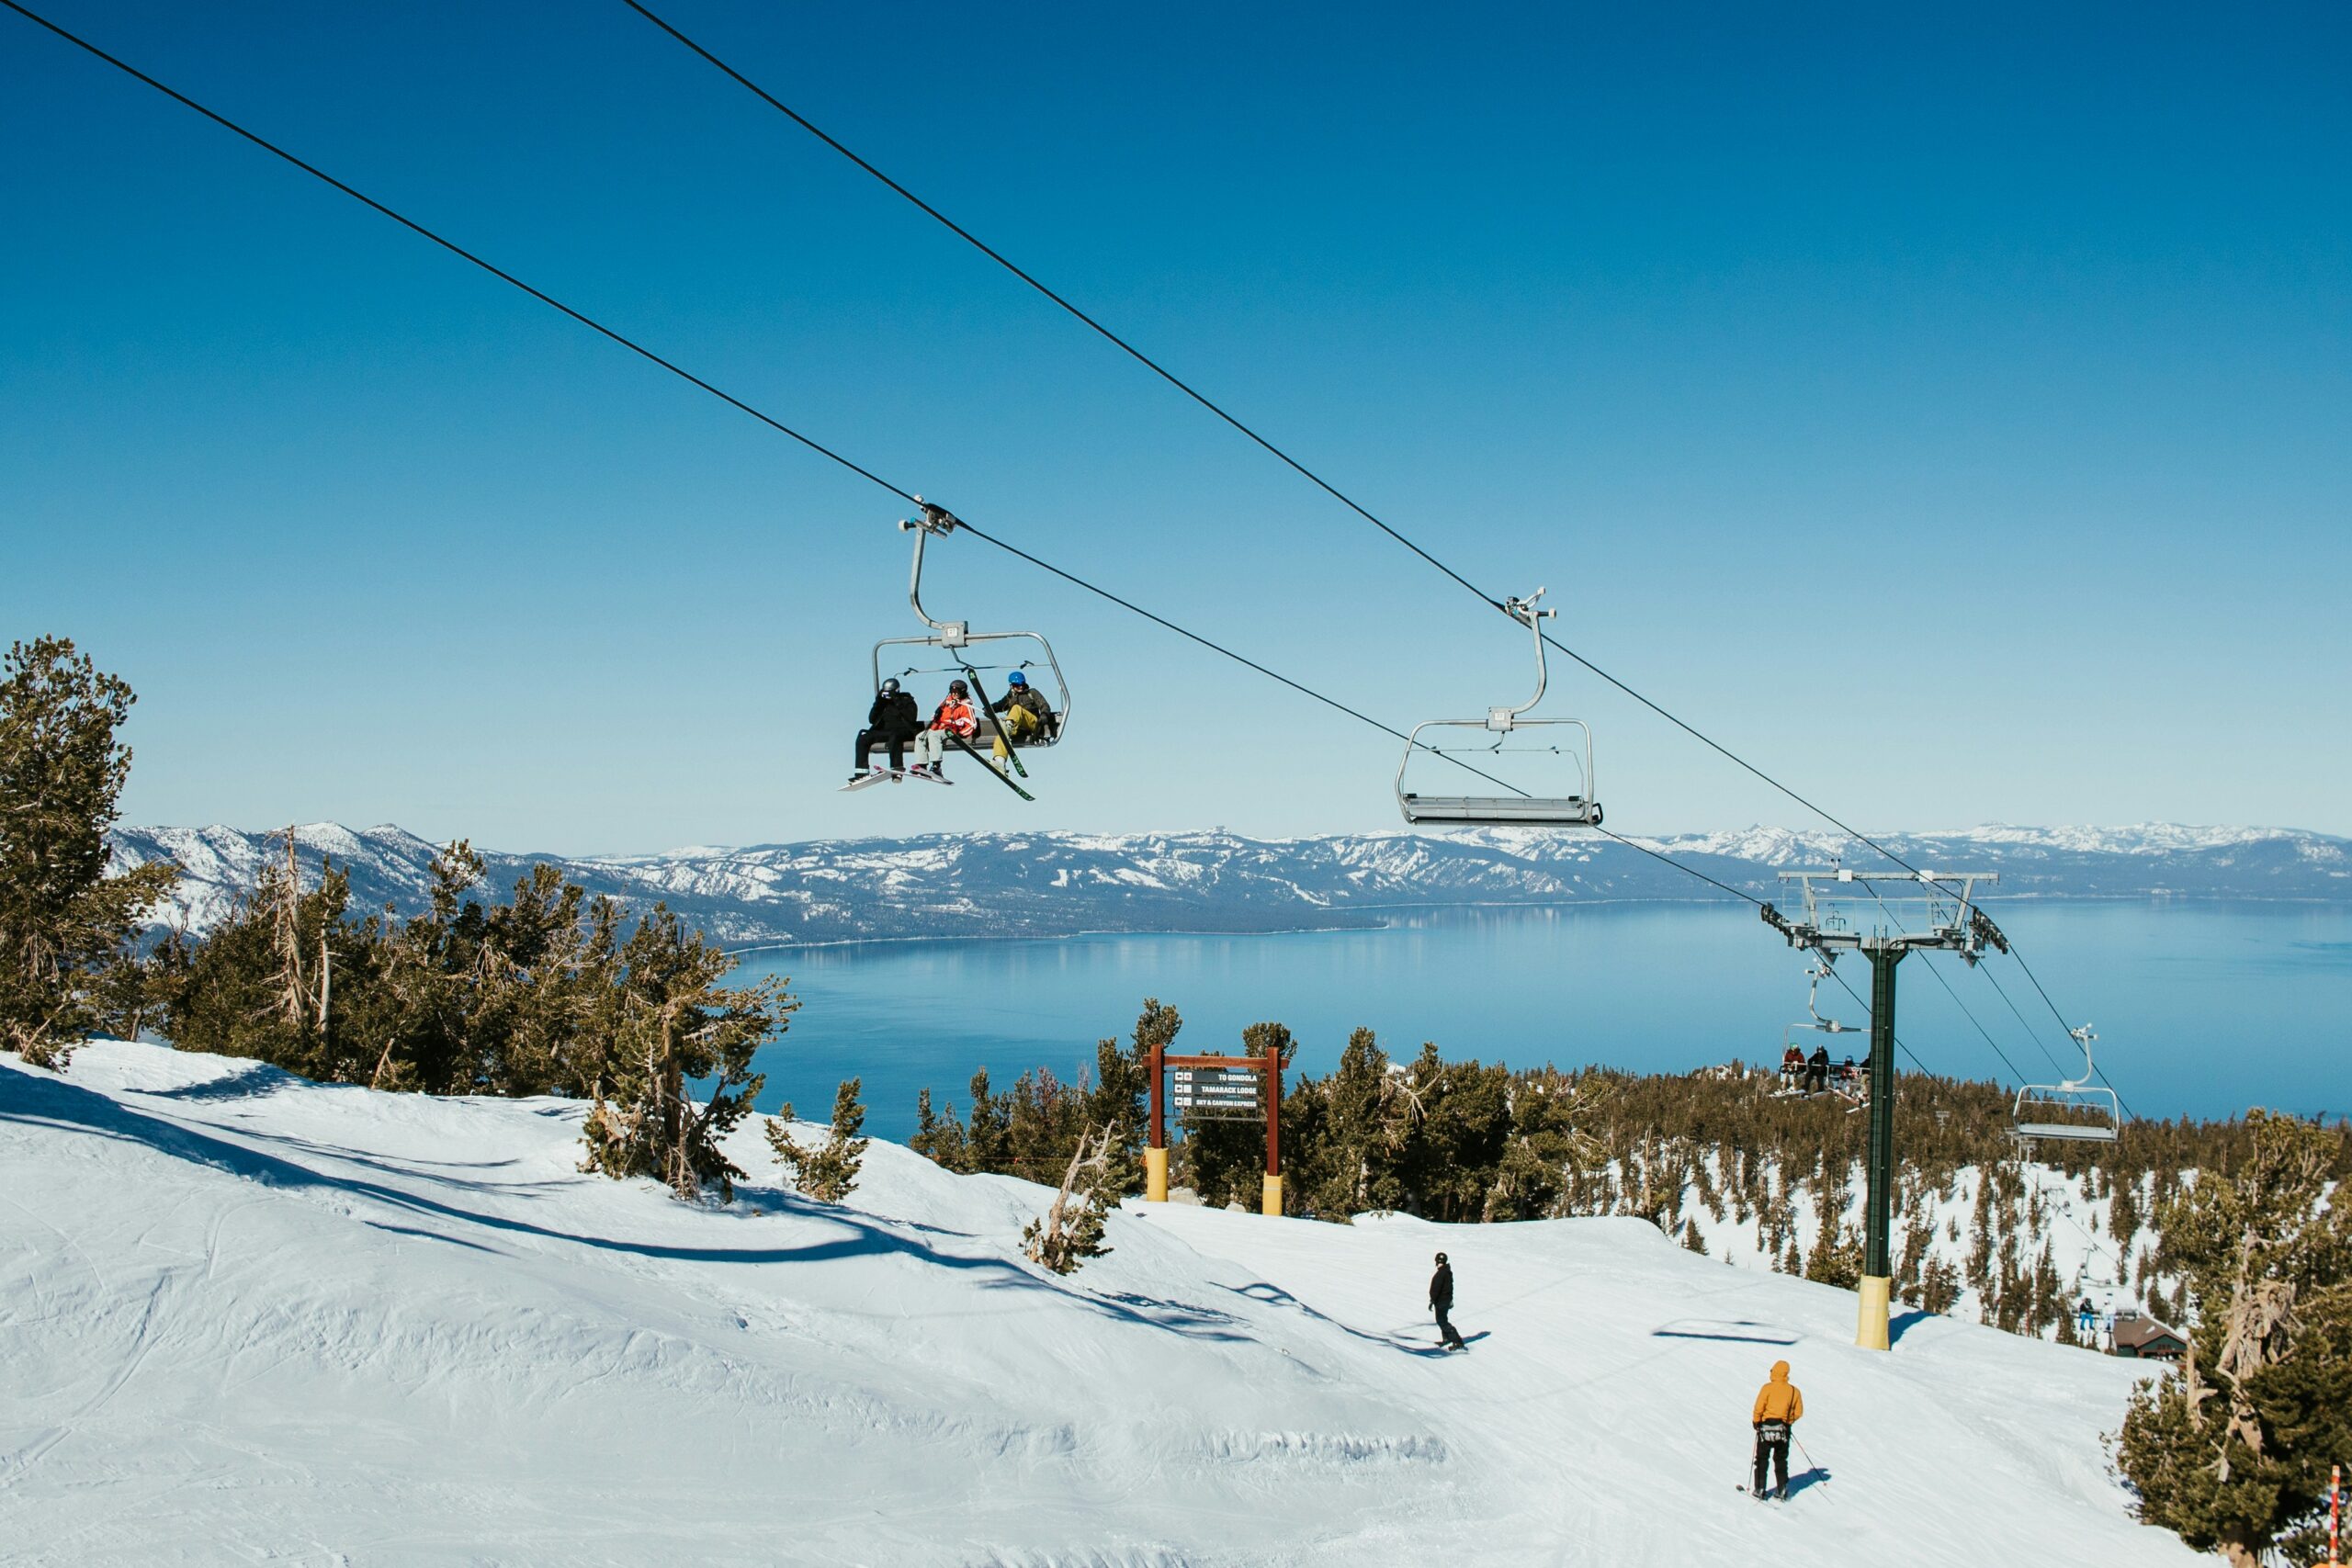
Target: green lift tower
[(1835, 920)]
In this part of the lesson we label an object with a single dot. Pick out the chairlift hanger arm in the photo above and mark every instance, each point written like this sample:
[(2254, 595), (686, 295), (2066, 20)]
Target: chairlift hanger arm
[(934, 520), (1524, 611)]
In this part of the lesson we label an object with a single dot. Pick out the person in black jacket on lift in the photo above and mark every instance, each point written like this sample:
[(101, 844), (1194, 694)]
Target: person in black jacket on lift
[(1442, 1302), (892, 720)]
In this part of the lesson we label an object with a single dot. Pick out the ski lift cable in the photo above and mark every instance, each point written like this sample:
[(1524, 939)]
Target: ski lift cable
[(2061, 1017), (691, 379), (1253, 435), (821, 450), (1492, 600), (1849, 989), (2098, 1071), (1885, 910), (454, 248)]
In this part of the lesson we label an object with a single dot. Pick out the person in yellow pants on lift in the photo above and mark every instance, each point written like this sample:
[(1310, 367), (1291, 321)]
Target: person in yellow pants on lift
[(1022, 713)]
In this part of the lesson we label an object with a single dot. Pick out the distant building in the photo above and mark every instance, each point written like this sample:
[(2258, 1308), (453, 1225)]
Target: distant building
[(2143, 1339)]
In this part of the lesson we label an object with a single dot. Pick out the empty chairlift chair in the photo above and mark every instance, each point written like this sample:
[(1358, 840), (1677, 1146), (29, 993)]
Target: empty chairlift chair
[(2076, 1111), (1574, 808)]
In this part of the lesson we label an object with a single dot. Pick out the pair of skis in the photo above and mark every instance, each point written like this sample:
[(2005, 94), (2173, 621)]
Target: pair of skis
[(867, 780), (875, 776)]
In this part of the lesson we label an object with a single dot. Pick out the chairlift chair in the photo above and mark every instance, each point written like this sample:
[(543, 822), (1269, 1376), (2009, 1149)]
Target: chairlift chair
[(1577, 809), (955, 638), (1813, 1022), (2076, 1111)]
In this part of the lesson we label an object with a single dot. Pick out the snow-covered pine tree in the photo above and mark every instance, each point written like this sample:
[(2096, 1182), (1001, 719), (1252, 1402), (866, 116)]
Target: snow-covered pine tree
[(827, 1172), (63, 921)]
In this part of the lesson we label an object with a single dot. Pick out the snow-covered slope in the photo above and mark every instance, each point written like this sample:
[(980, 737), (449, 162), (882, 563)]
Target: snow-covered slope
[(254, 1319), (1054, 884)]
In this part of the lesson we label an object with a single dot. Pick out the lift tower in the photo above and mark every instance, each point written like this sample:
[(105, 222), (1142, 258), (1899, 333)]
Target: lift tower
[(1835, 921)]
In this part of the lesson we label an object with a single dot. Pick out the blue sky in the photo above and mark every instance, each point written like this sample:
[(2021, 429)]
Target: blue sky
[(1949, 412)]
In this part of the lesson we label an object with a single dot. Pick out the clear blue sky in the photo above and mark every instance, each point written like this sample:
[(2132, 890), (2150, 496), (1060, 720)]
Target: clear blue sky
[(1950, 411)]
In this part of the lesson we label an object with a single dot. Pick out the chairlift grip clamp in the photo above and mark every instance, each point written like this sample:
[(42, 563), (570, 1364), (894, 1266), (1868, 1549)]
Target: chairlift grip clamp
[(935, 519)]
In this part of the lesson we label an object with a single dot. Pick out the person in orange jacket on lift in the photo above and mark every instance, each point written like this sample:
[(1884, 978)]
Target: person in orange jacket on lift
[(954, 717), (1778, 1405)]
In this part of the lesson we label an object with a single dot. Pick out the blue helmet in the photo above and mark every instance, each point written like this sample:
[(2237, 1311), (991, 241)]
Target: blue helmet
[(1017, 679)]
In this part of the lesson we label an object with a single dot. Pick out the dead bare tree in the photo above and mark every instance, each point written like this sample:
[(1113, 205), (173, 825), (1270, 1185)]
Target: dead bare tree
[(1071, 1231)]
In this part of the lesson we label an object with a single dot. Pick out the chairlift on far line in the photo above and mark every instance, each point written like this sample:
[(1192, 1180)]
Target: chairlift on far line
[(1576, 808), (1813, 1022), (2076, 1111)]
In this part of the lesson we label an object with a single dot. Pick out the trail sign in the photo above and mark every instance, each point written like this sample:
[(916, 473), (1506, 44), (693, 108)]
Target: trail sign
[(1215, 1089), (1217, 1093)]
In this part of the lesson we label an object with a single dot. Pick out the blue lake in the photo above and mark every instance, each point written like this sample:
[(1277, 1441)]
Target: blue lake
[(2201, 1009)]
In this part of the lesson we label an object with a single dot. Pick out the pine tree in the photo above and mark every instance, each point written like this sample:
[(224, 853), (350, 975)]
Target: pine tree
[(1692, 1239), (1836, 1256), (829, 1172), (1119, 1101), (63, 921), (668, 1022), (941, 1139), (2233, 1452), (1939, 1286), (264, 984), (991, 1138), (1546, 1147)]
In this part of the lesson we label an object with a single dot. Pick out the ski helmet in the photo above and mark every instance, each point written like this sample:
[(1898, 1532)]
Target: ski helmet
[(1441, 1257), (1016, 679), (890, 684), (957, 688)]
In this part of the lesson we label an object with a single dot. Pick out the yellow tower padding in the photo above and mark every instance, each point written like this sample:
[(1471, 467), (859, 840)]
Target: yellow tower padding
[(1155, 1176), (1870, 1332), (1273, 1203)]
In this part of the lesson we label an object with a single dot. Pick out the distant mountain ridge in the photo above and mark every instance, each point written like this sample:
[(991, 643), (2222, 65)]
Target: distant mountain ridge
[(1060, 884)]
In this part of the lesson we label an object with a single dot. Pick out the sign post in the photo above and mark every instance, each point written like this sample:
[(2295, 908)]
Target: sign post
[(1216, 1089), (1270, 1199), (1155, 1154)]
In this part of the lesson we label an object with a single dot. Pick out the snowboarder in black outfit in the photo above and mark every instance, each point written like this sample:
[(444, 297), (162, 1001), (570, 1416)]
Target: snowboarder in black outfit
[(1442, 1302), (892, 720)]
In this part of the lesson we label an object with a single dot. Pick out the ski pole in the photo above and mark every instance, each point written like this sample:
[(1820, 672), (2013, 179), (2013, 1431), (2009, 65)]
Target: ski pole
[(1809, 1461)]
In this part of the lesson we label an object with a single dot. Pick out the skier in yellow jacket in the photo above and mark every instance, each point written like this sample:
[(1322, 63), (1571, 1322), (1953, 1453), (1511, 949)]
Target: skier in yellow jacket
[(1778, 1406)]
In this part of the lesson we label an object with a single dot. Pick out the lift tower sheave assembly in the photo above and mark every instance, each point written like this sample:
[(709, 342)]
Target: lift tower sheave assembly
[(1833, 921)]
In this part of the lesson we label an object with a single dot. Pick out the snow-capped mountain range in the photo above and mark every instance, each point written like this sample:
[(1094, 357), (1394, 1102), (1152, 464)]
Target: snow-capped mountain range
[(1056, 884)]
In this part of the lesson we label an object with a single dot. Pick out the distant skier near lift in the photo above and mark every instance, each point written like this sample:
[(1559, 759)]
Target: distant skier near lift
[(1778, 1405), (1442, 1302)]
